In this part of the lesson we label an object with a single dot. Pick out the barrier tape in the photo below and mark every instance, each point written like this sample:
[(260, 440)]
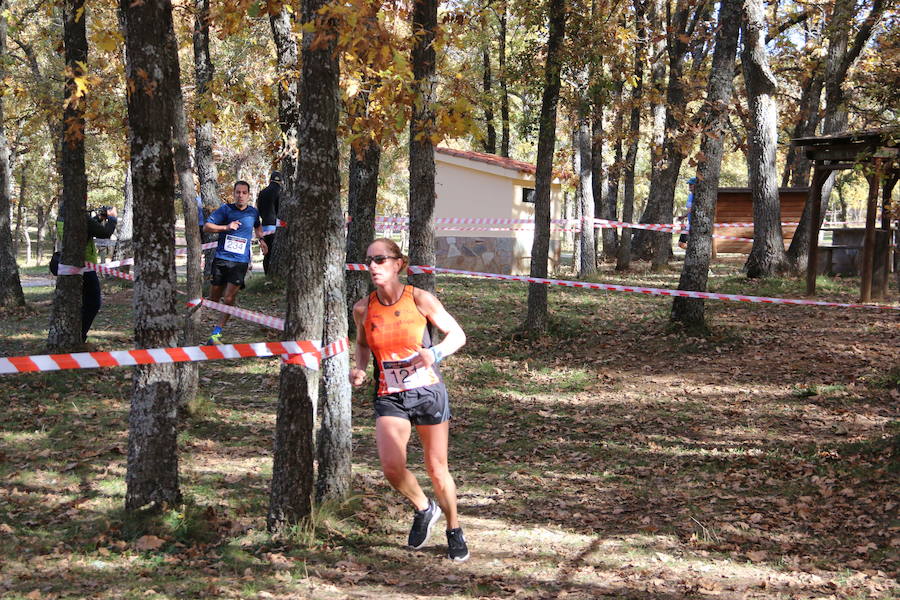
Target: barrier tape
[(561, 225), (306, 351), (330, 350), (416, 269), (241, 313), (510, 221)]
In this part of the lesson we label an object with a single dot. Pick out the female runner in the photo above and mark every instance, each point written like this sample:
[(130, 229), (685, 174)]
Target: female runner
[(391, 324)]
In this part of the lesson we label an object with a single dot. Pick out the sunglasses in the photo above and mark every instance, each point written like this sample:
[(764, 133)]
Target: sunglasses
[(378, 260)]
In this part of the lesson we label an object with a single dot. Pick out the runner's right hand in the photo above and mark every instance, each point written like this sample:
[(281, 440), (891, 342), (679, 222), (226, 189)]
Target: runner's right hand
[(357, 377)]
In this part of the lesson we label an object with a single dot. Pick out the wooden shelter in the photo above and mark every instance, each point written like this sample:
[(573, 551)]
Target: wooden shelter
[(735, 205), (878, 150)]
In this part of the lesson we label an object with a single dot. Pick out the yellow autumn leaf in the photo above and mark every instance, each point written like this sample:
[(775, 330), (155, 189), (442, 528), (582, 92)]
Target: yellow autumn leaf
[(81, 86), (106, 41)]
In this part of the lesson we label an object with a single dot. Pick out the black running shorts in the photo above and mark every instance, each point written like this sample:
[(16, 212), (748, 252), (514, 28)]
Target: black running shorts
[(228, 271), (428, 405)]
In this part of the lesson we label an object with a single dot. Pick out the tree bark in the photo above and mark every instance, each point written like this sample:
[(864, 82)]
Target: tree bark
[(421, 148), (334, 445), (490, 141), (362, 196), (767, 256), (125, 224), (588, 264), (797, 166), (21, 226), (614, 174), (188, 373), (719, 91), (623, 257), (662, 185), (308, 211), (152, 475), (281, 24), (207, 174), (65, 320), (10, 285), (600, 172), (504, 91), (536, 319), (641, 239), (572, 210)]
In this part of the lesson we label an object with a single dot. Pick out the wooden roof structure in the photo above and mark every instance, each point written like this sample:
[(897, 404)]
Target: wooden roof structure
[(879, 151)]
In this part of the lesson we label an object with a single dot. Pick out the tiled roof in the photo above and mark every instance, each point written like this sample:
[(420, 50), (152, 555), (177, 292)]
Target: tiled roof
[(491, 159)]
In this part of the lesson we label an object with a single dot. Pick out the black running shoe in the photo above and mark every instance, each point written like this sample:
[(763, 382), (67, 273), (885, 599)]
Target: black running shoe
[(423, 522), (456, 545)]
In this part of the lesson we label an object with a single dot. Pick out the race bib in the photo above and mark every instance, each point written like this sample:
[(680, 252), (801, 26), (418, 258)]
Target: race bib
[(235, 244), (400, 375)]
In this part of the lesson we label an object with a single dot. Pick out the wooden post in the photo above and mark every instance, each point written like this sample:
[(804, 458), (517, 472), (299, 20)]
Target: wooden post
[(887, 214), (815, 199), (868, 261)]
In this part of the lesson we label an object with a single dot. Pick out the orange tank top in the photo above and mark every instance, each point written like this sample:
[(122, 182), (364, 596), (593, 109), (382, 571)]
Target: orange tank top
[(395, 333)]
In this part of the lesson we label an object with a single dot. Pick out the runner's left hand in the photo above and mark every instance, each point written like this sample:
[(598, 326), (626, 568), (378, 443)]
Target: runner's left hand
[(423, 359)]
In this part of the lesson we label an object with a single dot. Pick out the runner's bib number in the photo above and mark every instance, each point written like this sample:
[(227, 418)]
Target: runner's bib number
[(235, 244), (400, 375)]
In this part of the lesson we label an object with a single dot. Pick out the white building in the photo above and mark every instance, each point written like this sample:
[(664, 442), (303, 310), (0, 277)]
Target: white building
[(474, 184)]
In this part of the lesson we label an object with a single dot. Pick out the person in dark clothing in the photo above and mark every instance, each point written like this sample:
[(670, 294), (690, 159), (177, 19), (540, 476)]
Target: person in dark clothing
[(267, 205), (100, 225)]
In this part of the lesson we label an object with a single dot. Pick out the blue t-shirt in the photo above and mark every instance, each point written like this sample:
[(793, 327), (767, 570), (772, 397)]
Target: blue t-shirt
[(235, 245)]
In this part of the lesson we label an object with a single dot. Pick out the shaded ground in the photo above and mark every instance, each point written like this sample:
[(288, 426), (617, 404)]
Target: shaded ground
[(613, 457)]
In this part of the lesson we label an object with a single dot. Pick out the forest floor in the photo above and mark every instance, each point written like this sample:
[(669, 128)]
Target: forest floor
[(612, 457)]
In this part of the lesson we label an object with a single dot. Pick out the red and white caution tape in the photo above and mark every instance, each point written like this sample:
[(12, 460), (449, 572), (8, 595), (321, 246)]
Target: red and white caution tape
[(331, 349), (637, 289), (88, 267), (306, 351), (241, 313), (564, 225)]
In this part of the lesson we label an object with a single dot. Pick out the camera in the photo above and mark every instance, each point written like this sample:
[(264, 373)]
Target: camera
[(100, 213)]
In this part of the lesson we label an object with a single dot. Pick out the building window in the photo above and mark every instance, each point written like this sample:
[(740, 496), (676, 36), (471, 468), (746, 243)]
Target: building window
[(528, 195)]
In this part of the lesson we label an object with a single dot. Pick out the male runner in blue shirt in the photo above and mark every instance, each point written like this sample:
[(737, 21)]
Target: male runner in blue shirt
[(235, 224)]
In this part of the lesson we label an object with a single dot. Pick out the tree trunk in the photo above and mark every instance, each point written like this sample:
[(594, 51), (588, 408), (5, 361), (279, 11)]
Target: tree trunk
[(842, 54), (125, 224), (362, 196), (614, 175), (318, 190), (39, 233), (767, 256), (641, 240), (572, 210), (10, 284), (536, 319), (152, 475), (18, 236), (504, 92), (623, 257), (490, 141), (719, 91), (188, 372), (797, 166), (334, 445), (421, 150), (662, 185), (65, 321), (588, 265), (281, 24), (600, 173), (207, 174)]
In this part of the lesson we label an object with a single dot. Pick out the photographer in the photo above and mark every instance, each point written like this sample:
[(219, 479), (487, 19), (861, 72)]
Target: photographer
[(100, 224)]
